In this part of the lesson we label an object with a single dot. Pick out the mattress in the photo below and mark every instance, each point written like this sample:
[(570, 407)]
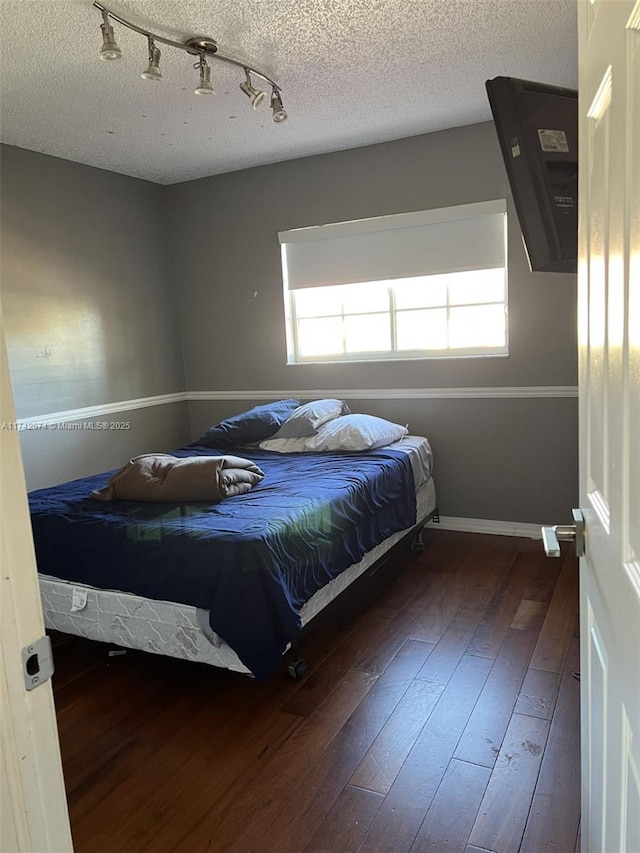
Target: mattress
[(182, 630), (179, 630)]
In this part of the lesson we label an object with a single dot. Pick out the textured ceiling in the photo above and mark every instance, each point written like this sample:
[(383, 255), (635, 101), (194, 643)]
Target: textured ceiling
[(352, 72)]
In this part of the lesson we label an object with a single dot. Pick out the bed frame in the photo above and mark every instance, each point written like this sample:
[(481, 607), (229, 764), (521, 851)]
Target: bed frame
[(297, 665)]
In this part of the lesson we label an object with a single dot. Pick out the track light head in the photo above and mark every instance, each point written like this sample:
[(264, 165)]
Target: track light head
[(110, 51), (278, 110), (153, 68), (204, 87), (255, 95)]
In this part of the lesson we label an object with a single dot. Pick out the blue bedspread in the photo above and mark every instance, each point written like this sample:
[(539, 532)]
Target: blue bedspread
[(251, 560)]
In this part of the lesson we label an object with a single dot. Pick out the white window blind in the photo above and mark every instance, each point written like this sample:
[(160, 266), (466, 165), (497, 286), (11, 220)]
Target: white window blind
[(452, 239)]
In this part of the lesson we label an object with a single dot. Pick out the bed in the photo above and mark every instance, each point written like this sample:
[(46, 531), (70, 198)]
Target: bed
[(229, 583)]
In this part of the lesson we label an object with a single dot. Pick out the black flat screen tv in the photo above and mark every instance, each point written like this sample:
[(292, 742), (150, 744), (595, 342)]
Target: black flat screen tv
[(537, 127)]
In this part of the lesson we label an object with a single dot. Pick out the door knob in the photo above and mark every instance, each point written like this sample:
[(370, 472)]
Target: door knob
[(552, 536)]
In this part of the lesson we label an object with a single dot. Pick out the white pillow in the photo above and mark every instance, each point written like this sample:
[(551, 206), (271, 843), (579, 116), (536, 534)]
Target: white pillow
[(285, 445), (349, 432), (355, 432), (306, 419)]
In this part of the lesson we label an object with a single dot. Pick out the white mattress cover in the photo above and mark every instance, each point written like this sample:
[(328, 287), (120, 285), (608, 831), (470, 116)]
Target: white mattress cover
[(181, 630)]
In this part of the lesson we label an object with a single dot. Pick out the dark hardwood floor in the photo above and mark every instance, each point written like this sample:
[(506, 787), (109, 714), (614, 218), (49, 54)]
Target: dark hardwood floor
[(439, 714)]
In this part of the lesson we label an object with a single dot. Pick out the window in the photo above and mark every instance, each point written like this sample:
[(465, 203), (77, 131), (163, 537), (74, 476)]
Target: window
[(417, 285)]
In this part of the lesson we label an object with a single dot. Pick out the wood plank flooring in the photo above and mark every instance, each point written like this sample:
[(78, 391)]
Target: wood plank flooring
[(438, 714)]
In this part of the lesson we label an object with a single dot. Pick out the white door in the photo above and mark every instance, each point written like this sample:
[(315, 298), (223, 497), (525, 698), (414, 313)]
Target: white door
[(609, 358), (33, 804)]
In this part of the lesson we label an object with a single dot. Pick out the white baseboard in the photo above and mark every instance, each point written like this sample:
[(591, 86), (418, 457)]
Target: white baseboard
[(485, 525)]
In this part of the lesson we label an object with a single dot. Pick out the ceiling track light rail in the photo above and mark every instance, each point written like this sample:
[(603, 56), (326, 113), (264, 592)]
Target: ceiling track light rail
[(202, 47)]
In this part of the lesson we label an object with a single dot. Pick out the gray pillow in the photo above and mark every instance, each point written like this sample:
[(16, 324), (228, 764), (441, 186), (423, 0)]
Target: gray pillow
[(306, 419)]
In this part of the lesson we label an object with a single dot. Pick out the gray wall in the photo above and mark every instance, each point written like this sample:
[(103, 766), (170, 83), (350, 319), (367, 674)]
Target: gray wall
[(69, 450), (101, 294), (88, 309), (225, 239), (512, 460)]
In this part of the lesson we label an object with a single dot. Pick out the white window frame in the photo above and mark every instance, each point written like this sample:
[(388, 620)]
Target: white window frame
[(389, 225)]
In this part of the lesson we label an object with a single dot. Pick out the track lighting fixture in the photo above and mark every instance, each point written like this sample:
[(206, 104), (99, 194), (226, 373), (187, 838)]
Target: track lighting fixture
[(204, 87), (110, 51), (203, 48), (255, 95), (153, 68), (276, 107)]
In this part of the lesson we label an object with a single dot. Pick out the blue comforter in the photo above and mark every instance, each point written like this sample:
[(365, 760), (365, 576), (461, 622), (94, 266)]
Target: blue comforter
[(252, 560)]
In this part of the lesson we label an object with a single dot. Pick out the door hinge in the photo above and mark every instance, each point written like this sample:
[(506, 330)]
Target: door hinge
[(37, 663)]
